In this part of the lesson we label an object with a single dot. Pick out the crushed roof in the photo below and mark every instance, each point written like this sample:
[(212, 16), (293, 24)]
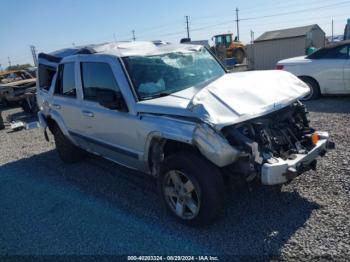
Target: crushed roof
[(287, 33), (123, 49)]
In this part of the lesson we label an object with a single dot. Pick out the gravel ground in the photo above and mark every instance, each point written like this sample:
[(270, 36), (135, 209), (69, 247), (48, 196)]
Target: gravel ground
[(97, 207)]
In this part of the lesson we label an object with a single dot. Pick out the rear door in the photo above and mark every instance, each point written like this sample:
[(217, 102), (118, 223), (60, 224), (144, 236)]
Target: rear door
[(65, 103)]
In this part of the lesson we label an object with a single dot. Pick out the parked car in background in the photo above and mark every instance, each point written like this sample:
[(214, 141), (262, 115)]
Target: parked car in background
[(173, 111), (327, 71), (18, 87)]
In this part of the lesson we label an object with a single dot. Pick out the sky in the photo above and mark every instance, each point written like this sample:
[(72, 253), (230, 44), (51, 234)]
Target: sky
[(53, 24)]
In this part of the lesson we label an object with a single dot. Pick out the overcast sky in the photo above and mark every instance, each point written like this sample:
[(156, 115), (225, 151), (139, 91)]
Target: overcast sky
[(55, 24)]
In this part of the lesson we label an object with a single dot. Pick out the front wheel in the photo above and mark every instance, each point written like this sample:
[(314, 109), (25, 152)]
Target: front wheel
[(191, 188)]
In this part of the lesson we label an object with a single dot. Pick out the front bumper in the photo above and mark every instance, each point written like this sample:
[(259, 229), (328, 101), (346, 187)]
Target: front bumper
[(279, 171)]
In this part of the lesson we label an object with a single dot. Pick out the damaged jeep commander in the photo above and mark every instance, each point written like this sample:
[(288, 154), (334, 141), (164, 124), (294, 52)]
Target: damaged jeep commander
[(174, 112)]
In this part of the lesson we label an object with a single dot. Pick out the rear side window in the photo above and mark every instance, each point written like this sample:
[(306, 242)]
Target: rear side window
[(65, 84), (338, 52), (46, 74)]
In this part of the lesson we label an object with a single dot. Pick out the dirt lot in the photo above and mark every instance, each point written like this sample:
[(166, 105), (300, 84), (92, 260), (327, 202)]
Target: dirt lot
[(96, 207)]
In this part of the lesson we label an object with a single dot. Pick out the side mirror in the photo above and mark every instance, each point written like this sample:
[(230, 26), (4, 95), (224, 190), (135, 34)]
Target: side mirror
[(111, 99)]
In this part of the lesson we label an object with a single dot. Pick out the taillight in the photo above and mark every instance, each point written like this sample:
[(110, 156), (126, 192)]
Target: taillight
[(279, 67)]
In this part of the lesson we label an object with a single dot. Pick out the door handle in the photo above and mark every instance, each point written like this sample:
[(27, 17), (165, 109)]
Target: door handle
[(56, 106), (88, 113)]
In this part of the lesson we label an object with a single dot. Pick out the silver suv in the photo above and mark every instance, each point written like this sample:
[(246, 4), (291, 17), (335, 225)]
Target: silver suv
[(174, 112)]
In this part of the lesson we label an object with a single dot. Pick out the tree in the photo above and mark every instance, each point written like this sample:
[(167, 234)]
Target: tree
[(18, 67)]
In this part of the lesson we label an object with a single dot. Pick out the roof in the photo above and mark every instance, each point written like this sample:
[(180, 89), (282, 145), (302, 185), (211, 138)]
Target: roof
[(287, 33), (121, 49)]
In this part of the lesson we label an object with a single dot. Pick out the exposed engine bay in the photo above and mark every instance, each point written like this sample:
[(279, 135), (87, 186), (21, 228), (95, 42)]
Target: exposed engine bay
[(281, 134)]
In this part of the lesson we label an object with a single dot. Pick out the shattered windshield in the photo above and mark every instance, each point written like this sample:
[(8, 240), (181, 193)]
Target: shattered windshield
[(161, 75)]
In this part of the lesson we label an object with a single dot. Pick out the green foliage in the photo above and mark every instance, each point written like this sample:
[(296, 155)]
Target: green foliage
[(18, 67)]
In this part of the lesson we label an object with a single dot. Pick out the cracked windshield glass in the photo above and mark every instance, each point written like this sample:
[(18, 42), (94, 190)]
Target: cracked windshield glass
[(161, 75)]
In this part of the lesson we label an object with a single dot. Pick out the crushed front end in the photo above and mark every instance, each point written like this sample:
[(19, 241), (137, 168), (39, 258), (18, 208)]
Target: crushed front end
[(278, 146)]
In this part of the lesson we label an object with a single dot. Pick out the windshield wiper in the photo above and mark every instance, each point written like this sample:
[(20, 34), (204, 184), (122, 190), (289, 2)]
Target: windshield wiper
[(162, 94)]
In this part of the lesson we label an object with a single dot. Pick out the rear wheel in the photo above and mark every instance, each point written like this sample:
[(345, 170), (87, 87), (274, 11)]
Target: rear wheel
[(314, 88), (67, 151), (2, 125), (191, 188)]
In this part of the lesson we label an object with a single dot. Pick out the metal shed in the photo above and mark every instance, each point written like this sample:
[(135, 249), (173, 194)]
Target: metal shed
[(273, 46)]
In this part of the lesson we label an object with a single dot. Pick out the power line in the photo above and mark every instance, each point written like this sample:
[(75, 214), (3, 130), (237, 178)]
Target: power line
[(253, 18), (295, 12)]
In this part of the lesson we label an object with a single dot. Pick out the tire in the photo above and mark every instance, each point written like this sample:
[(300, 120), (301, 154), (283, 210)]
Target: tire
[(314, 88), (2, 125), (239, 56), (204, 199), (67, 151)]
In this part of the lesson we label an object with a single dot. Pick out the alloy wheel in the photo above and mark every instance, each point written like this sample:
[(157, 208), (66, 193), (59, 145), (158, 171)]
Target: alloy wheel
[(181, 194)]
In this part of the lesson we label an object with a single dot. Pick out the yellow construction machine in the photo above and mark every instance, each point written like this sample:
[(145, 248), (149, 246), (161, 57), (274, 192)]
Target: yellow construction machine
[(234, 48)]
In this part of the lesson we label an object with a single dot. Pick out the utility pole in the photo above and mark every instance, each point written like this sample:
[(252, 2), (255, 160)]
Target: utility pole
[(9, 60), (187, 27), (133, 35), (35, 58), (237, 22), (251, 36), (332, 30)]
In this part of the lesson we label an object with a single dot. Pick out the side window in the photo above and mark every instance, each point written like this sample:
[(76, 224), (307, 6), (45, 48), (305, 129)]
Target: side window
[(340, 52), (99, 85), (65, 84)]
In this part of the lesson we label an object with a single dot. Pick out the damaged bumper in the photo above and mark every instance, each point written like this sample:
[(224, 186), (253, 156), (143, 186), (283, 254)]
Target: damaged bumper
[(279, 171)]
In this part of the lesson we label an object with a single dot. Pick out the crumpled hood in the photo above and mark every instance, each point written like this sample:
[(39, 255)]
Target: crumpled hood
[(237, 97)]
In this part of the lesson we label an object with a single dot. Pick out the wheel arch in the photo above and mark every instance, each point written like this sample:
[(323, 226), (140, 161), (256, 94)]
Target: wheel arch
[(159, 146), (301, 77), (53, 121)]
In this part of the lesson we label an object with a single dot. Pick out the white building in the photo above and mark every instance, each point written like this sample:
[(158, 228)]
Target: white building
[(273, 46)]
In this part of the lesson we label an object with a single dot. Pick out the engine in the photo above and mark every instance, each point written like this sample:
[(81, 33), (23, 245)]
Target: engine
[(280, 134)]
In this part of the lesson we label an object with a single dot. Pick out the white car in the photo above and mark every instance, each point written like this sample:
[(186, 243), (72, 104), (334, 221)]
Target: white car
[(327, 71)]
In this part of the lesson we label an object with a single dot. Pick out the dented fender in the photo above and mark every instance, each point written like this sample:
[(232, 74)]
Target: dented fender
[(214, 146)]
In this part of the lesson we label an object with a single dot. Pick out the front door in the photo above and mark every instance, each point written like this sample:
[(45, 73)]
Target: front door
[(330, 69), (347, 73), (106, 124)]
